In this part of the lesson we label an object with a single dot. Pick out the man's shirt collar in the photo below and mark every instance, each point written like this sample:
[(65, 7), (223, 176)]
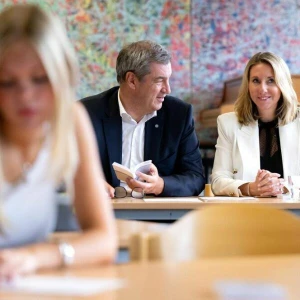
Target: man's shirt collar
[(127, 117)]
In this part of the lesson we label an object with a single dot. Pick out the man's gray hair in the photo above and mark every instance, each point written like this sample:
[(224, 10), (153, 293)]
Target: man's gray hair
[(137, 58)]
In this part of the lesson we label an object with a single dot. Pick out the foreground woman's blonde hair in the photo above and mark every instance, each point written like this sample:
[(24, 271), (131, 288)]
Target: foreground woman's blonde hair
[(287, 106), (48, 37)]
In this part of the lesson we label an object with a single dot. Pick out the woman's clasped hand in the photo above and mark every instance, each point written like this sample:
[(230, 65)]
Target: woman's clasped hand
[(266, 184)]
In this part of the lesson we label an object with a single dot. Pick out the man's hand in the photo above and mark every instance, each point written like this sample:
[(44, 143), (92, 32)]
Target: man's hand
[(151, 184)]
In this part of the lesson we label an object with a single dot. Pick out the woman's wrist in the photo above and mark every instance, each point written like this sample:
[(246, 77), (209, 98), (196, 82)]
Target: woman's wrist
[(245, 189), (251, 191), (47, 255), (67, 253)]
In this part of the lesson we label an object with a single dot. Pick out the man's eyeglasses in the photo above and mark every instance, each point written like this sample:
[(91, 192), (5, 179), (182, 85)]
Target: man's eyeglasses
[(121, 192)]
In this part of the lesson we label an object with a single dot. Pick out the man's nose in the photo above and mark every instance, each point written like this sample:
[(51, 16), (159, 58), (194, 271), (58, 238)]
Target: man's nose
[(167, 88)]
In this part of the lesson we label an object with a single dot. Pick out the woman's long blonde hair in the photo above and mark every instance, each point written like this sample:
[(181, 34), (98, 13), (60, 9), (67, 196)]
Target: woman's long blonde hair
[(48, 37), (287, 107)]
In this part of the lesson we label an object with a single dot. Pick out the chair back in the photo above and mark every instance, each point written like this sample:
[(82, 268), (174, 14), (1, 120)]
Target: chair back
[(222, 230)]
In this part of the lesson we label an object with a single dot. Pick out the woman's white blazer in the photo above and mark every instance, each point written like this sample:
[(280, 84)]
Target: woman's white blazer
[(237, 157)]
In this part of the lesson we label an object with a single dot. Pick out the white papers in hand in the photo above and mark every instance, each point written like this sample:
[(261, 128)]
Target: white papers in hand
[(67, 286), (123, 172)]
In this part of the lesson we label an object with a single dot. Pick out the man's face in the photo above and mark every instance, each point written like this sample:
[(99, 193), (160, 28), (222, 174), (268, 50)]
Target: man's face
[(152, 88)]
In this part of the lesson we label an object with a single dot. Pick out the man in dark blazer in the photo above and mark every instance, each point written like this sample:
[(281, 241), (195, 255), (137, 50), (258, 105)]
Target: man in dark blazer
[(137, 121)]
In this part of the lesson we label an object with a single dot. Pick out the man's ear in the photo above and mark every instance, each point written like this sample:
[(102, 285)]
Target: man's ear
[(131, 80)]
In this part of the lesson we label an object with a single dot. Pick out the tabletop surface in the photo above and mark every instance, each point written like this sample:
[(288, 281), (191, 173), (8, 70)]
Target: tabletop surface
[(183, 203), (186, 280)]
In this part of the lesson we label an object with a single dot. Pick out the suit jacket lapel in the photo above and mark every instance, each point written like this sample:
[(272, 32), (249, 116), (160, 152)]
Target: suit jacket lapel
[(248, 144), (113, 131), (290, 147), (153, 135)]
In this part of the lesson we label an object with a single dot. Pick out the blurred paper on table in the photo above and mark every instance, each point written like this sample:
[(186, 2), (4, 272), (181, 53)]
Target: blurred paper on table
[(247, 290), (230, 199), (175, 199), (66, 286)]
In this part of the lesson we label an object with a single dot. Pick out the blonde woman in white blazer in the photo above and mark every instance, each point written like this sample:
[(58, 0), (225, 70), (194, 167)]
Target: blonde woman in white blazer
[(258, 144)]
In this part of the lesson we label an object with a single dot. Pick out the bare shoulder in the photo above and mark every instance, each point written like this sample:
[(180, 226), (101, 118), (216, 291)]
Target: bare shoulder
[(79, 111), (81, 118), (84, 132), (83, 127)]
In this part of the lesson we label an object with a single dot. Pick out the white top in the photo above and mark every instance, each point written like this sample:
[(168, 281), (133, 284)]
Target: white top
[(28, 207), (133, 137)]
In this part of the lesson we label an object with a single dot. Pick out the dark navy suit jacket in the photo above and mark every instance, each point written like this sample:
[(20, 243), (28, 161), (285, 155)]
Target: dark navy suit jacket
[(170, 142)]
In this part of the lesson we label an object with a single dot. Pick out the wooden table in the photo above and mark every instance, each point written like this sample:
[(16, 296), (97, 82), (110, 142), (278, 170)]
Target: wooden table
[(186, 280), (137, 209)]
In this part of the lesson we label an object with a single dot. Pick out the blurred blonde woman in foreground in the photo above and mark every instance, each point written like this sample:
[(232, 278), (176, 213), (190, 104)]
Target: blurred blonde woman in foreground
[(45, 139), (258, 144)]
